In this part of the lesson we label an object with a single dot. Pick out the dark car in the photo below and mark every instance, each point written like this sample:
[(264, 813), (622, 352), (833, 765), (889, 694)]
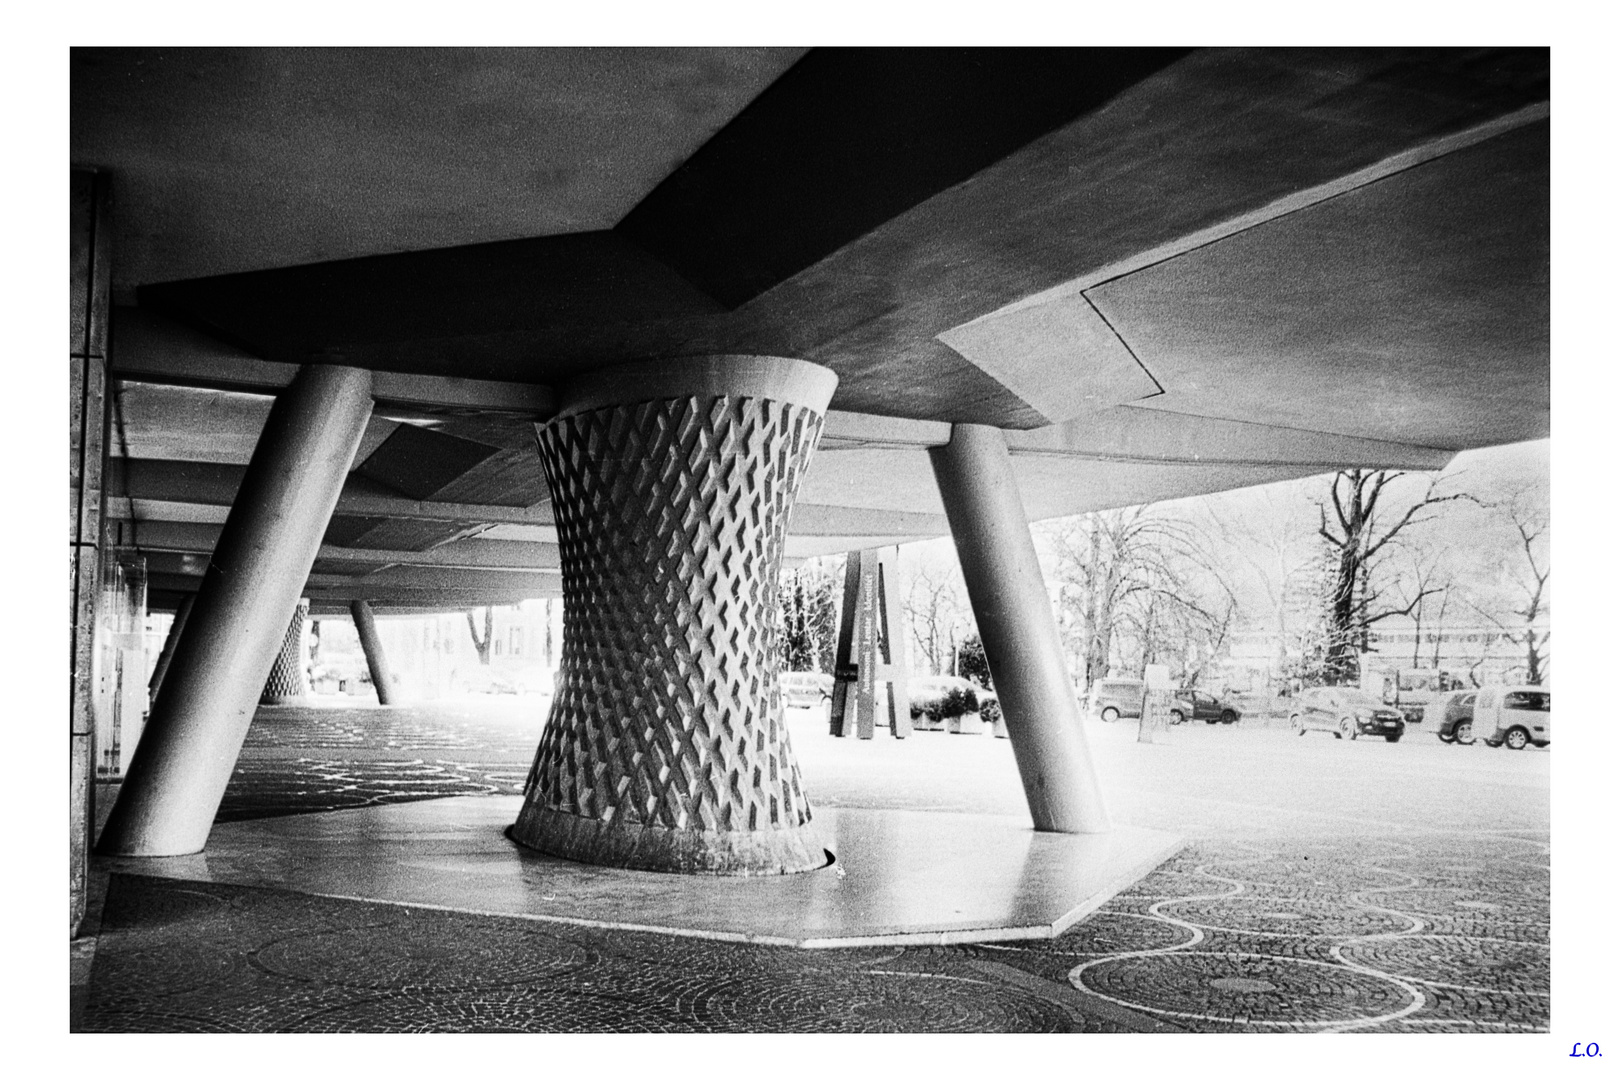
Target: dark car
[(1345, 711), (1455, 712), (1198, 705)]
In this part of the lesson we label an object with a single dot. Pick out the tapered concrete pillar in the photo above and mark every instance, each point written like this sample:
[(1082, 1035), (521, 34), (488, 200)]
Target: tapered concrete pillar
[(366, 626), (248, 595), (286, 684), (1020, 635), (160, 670), (666, 748)]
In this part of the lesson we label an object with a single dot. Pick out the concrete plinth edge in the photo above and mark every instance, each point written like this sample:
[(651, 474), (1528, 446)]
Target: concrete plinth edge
[(902, 877)]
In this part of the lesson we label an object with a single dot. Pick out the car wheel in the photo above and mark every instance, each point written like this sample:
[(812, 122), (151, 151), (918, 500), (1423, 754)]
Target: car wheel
[(1463, 733), (1110, 714), (1517, 738), (1228, 717), (1297, 723), (1443, 737), (1348, 729), (1392, 738), (1176, 717)]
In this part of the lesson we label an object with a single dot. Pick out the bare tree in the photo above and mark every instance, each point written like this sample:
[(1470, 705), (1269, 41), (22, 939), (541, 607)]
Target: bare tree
[(1528, 575), (936, 611), (482, 644), (1273, 550), (1139, 587), (1358, 536), (1425, 586), (808, 635)]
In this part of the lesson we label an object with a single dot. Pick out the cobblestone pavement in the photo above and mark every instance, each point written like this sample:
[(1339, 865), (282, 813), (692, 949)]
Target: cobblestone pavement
[(1327, 887)]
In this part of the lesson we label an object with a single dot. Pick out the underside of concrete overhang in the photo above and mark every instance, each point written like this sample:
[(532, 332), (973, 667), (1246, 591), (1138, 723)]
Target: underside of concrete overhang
[(1163, 272)]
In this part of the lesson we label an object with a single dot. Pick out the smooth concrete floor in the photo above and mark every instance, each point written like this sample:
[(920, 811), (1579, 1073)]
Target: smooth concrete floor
[(900, 876)]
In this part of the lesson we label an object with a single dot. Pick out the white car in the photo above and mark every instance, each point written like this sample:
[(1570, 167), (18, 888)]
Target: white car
[(806, 689), (1514, 716)]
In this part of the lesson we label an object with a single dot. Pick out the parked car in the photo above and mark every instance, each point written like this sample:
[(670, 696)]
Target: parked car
[(1513, 716), (499, 678), (806, 689), (1345, 711), (1198, 705), (1114, 698), (1454, 714)]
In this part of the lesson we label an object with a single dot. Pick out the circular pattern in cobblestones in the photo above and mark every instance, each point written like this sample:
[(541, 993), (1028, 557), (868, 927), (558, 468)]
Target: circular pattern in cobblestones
[(1289, 916), (162, 971), (1466, 963), (172, 909), (1318, 873), (868, 1001), (110, 1022), (519, 1009), (418, 953), (1223, 988), (1112, 932)]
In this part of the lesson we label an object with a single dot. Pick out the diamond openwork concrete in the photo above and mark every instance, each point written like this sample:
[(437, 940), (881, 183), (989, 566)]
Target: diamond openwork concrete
[(286, 680), (666, 748)]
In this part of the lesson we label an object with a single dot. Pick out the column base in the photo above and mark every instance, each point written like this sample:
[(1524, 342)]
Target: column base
[(758, 853)]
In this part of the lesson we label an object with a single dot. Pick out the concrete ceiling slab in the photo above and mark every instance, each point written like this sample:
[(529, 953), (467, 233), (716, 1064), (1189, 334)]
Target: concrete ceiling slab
[(229, 160), (1060, 358), (1413, 309), (1235, 267)]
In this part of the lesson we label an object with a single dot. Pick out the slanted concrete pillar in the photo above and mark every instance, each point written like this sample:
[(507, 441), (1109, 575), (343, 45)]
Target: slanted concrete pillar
[(160, 670), (366, 626), (240, 616), (666, 748), (89, 277), (1020, 635), (286, 684)]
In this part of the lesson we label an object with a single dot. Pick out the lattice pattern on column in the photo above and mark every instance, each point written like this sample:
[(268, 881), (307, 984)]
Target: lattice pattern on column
[(666, 747), (286, 681)]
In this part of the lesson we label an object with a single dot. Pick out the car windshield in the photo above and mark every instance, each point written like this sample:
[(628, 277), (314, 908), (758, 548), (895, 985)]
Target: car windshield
[(1361, 699)]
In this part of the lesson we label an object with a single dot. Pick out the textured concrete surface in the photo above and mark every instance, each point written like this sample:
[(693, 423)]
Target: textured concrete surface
[(1329, 886)]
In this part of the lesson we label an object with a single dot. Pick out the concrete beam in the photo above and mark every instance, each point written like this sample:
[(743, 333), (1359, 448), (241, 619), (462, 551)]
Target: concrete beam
[(149, 347), (143, 488), (468, 554)]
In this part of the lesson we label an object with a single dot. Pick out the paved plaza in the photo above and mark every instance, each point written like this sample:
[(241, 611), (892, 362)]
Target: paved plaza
[(1326, 885)]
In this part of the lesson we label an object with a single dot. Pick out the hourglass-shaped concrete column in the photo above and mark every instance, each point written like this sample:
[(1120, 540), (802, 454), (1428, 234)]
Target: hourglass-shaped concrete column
[(286, 685), (666, 748)]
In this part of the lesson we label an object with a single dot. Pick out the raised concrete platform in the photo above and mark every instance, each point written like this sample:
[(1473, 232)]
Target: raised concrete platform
[(901, 876)]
